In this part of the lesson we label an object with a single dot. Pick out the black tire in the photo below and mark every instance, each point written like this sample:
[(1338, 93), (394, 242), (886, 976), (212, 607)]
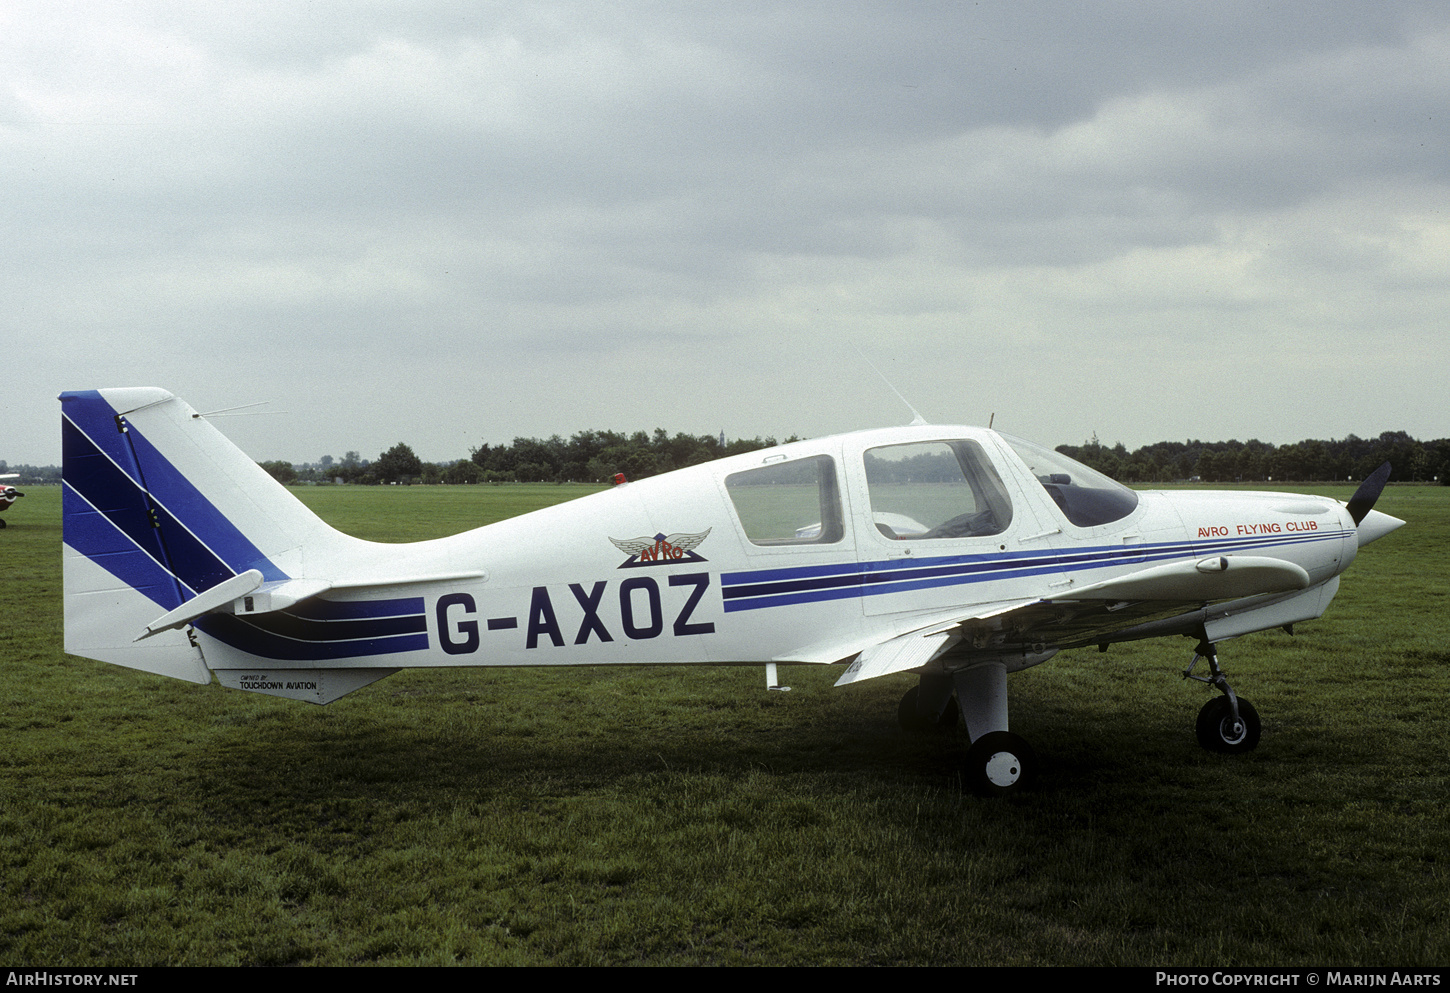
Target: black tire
[(1217, 731), (1000, 763), (913, 723)]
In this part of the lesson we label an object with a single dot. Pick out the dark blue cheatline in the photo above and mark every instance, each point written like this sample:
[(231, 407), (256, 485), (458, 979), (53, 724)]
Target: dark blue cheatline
[(762, 588), (317, 630)]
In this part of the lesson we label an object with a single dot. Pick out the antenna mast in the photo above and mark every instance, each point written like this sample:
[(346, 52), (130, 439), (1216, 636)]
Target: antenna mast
[(916, 418)]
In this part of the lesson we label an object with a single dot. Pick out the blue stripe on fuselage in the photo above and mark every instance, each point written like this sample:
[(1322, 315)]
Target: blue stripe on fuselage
[(758, 589), (320, 630)]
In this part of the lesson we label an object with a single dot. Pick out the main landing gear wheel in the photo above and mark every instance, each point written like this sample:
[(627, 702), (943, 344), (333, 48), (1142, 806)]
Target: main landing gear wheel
[(1000, 763), (912, 722), (1219, 732)]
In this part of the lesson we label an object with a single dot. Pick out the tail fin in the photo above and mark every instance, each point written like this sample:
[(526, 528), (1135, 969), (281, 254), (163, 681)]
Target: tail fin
[(159, 508), (183, 557)]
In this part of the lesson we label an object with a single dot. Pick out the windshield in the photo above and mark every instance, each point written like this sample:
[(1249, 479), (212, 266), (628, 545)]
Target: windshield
[(1084, 495)]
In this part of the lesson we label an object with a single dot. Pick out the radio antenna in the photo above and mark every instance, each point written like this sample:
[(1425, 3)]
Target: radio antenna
[(233, 410), (916, 419)]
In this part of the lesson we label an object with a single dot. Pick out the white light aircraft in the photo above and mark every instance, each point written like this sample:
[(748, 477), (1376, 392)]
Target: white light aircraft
[(958, 554), (8, 495)]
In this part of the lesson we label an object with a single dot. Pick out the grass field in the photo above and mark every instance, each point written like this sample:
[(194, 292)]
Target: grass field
[(686, 816)]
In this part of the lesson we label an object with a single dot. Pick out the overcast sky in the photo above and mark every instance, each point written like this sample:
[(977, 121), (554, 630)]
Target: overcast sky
[(450, 223)]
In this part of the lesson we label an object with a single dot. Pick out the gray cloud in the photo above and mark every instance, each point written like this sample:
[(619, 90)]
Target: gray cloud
[(453, 224)]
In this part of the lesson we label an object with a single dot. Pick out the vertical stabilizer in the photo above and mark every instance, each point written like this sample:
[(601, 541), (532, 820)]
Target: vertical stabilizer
[(158, 507)]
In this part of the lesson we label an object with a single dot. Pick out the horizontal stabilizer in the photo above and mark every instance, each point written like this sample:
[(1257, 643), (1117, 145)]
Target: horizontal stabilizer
[(281, 594), (208, 600), (247, 594), (383, 582)]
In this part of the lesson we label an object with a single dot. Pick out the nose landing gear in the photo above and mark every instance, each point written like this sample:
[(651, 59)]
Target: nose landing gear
[(1226, 724)]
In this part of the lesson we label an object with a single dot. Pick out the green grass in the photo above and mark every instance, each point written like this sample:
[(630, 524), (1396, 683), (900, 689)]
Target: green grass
[(685, 816)]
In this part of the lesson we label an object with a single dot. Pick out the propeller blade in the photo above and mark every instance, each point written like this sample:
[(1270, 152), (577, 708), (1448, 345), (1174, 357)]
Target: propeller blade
[(1369, 491)]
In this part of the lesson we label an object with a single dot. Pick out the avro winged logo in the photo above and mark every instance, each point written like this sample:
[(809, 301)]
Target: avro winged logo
[(662, 549)]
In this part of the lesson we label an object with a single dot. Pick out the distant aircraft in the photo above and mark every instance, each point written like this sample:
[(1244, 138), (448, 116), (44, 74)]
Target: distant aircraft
[(958, 554), (8, 495)]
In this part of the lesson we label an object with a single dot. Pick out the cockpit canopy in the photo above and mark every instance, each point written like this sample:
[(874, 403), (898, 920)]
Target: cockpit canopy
[(917, 491), (1085, 496)]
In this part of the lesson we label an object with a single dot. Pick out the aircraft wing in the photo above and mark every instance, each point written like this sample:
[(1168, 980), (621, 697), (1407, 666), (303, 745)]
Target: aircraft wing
[(1084, 616), (900, 654), (1219, 577), (919, 646)]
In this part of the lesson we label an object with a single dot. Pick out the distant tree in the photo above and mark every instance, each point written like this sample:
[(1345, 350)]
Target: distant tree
[(282, 472), (397, 464), (462, 471)]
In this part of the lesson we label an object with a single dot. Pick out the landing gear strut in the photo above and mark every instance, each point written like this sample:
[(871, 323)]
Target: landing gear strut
[(998, 763), (1227, 723), (928, 707)]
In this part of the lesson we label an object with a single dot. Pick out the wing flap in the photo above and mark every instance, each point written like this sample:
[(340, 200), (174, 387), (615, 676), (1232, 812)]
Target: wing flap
[(908, 651), (840, 649)]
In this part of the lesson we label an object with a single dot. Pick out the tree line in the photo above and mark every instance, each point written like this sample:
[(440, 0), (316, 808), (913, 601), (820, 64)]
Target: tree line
[(585, 457), (32, 474), (1310, 461), (595, 457)]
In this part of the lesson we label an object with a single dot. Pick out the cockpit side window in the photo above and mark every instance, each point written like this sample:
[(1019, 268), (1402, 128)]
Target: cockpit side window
[(789, 503), (1085, 496), (935, 489)]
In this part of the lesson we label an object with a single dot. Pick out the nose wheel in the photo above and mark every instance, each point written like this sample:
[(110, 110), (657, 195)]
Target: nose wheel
[(1227, 724), (1219, 730)]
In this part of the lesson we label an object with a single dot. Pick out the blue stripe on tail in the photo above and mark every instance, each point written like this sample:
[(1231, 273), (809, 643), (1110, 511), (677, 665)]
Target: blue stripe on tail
[(127, 505), (95, 536)]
